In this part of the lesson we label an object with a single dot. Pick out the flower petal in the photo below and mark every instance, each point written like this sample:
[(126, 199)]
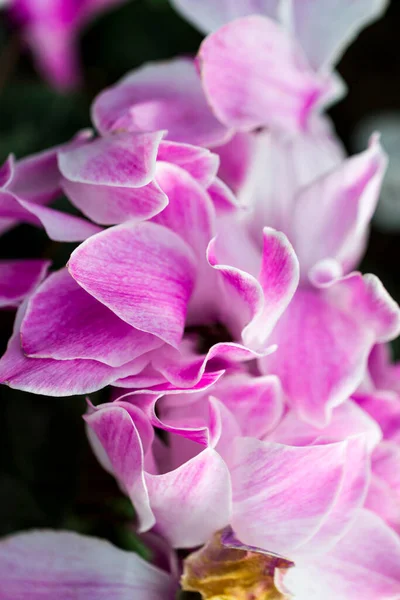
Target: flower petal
[(63, 321), (255, 75), (364, 564), (326, 27), (18, 278), (282, 494), (199, 162), (209, 15), (351, 191), (144, 273), (163, 95), (117, 429), (55, 377), (111, 205), (254, 305), (324, 340), (121, 160), (44, 565), (193, 501)]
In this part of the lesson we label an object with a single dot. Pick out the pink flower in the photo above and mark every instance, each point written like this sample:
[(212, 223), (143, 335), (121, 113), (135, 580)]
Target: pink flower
[(303, 501), (292, 176), (51, 29), (120, 313)]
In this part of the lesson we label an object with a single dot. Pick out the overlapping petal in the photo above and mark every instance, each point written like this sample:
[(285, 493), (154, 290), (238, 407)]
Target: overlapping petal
[(283, 494), (364, 564), (165, 95), (324, 339), (143, 273), (65, 322), (332, 214), (255, 75), (18, 278), (188, 503)]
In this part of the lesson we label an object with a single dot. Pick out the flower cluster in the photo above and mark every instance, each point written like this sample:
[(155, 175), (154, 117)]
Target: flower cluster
[(254, 415)]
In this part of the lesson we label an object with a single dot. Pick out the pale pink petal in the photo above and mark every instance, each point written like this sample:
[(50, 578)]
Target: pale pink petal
[(282, 494), (193, 501), (222, 198), (384, 408), (144, 273), (384, 501), (111, 205), (326, 27), (18, 278), (254, 75), (364, 564), (208, 15), (384, 373), (189, 212), (349, 499), (55, 377), (256, 402), (324, 339), (199, 162), (59, 226), (280, 165), (279, 278), (36, 178), (164, 95), (254, 305), (43, 565), (347, 420), (63, 321), (384, 492), (332, 214), (188, 504), (237, 159), (120, 430), (121, 160)]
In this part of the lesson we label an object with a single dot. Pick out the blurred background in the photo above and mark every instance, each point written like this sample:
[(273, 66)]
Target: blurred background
[(48, 477)]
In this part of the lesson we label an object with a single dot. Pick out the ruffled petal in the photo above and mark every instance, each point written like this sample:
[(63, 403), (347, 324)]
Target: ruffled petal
[(254, 302)]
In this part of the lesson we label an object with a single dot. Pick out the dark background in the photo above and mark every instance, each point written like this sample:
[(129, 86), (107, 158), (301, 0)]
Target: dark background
[(48, 477)]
